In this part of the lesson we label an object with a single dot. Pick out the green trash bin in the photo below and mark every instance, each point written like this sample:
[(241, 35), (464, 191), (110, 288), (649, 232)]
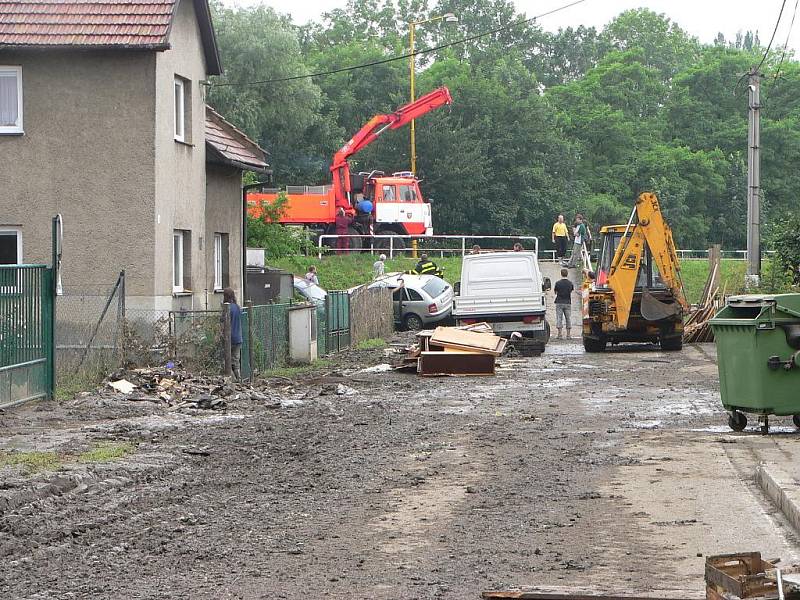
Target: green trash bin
[(758, 354)]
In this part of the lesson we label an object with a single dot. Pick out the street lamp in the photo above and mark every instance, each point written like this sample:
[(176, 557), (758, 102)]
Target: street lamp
[(447, 18)]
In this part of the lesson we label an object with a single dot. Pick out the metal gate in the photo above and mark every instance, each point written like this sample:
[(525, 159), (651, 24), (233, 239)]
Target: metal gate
[(26, 333), (337, 317)]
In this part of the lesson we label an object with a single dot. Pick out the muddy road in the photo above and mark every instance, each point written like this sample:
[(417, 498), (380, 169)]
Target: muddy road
[(610, 472)]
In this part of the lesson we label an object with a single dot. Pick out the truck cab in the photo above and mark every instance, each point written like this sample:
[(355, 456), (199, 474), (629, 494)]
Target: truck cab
[(506, 290)]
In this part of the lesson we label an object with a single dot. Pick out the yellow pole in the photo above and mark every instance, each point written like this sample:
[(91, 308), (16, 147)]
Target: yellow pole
[(413, 129)]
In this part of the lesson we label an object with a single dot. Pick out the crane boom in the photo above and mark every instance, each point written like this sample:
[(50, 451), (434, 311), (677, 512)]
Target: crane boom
[(370, 132)]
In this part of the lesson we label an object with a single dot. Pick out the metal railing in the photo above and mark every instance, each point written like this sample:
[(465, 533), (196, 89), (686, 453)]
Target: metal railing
[(461, 249), (726, 254)]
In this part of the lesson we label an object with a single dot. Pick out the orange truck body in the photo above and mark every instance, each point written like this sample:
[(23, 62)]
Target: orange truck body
[(396, 200)]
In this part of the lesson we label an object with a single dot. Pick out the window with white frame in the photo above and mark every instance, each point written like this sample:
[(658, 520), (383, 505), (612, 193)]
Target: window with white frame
[(221, 274), (181, 260), (10, 254), (183, 110), (10, 245), (10, 99)]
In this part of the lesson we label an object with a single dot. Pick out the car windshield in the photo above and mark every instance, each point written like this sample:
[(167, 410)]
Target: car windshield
[(434, 287)]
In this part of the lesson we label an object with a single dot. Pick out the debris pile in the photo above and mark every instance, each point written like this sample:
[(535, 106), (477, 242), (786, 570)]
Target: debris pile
[(465, 350), (696, 328), (179, 389)]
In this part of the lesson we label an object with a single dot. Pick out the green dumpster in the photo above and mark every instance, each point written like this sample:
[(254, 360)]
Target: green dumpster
[(758, 353)]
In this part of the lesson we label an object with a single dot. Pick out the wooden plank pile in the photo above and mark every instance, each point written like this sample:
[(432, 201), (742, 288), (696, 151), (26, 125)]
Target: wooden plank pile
[(460, 351), (696, 328)]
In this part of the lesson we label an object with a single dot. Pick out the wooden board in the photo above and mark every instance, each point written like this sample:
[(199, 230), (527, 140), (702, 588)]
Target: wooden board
[(460, 339), (455, 363)]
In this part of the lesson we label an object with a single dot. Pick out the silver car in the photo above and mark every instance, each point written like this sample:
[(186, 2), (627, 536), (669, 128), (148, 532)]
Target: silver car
[(419, 300)]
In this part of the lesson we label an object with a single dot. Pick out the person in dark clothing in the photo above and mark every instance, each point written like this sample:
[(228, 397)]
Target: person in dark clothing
[(563, 291), (426, 266), (342, 227), (229, 297)]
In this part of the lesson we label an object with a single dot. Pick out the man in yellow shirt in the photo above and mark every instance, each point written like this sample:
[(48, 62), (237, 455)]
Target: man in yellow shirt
[(560, 237)]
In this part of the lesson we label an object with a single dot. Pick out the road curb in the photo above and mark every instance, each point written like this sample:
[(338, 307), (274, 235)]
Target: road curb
[(782, 490)]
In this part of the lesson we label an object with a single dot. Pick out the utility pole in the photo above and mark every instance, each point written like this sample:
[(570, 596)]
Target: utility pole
[(753, 180)]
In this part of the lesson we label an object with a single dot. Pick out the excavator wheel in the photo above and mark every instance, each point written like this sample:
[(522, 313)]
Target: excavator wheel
[(356, 243), (398, 243), (593, 345), (672, 344)]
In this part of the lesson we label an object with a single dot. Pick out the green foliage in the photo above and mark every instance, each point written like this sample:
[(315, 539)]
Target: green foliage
[(371, 344), (786, 241), (542, 123), (104, 453), (31, 462), (265, 231)]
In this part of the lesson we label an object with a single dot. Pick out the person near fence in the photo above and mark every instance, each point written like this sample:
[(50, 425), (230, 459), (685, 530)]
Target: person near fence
[(582, 236), (563, 290), (518, 247), (560, 237), (475, 249), (311, 276), (229, 297), (379, 267), (342, 228)]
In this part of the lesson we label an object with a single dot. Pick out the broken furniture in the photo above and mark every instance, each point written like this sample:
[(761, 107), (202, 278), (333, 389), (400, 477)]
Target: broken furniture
[(466, 350), (747, 575)]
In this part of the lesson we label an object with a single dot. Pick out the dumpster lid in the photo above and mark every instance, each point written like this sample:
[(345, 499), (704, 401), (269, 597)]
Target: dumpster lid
[(788, 303)]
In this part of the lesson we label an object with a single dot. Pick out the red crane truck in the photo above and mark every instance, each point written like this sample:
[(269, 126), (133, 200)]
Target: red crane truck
[(397, 205)]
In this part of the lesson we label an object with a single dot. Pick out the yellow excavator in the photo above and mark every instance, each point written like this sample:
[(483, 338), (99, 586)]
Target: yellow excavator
[(635, 294)]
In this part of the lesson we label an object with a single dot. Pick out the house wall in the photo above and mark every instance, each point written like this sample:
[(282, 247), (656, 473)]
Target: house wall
[(88, 152), (224, 215), (180, 167)]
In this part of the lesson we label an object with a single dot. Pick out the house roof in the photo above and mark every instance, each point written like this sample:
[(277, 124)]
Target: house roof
[(228, 145), (129, 24)]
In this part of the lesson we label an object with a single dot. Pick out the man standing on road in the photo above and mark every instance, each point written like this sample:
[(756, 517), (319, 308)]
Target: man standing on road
[(379, 267), (560, 237), (581, 238), (563, 303)]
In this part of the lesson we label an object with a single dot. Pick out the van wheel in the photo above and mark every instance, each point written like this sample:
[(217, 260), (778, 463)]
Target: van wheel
[(593, 345), (412, 322)]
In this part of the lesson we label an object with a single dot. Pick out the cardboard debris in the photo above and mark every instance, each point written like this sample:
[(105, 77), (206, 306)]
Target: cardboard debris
[(122, 385)]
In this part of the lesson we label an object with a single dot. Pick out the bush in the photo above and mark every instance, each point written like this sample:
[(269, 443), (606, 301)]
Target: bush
[(786, 242), (267, 232)]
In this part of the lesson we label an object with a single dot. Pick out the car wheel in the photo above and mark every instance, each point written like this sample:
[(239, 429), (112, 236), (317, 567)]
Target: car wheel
[(412, 322)]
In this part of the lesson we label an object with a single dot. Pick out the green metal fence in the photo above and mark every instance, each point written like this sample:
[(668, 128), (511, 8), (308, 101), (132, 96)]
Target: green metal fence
[(26, 333), (267, 328), (337, 321)]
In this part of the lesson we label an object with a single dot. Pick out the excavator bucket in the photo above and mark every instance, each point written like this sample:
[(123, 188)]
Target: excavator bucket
[(654, 310)]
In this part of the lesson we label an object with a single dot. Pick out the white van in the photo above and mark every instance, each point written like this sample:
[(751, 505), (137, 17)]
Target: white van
[(506, 290)]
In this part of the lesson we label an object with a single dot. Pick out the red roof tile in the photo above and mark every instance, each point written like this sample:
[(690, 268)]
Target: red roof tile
[(129, 23), (232, 145)]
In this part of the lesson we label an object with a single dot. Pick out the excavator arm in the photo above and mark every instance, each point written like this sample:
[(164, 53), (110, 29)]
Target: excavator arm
[(370, 132), (646, 229)]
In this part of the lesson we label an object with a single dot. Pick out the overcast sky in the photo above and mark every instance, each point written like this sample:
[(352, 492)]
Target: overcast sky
[(701, 18)]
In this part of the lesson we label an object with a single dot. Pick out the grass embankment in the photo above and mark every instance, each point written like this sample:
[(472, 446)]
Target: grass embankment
[(343, 272)]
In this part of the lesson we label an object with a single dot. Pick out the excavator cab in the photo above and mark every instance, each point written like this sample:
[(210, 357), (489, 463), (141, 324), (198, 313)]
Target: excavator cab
[(636, 294)]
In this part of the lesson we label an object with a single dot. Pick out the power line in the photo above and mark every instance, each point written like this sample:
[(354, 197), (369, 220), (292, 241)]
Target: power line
[(402, 56), (772, 39), (786, 43)]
